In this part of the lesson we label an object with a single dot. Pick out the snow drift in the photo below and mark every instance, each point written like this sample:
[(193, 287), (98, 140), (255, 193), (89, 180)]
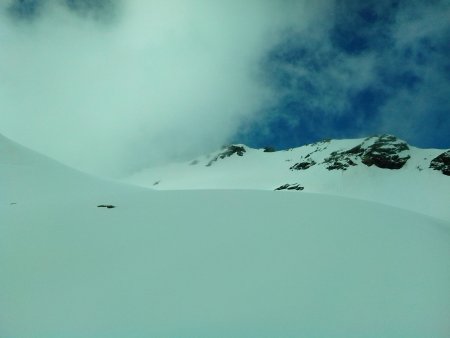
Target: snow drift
[(210, 263)]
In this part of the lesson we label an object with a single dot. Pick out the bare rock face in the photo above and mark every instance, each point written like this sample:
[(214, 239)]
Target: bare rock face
[(228, 151), (303, 165), (442, 163), (342, 160), (386, 152)]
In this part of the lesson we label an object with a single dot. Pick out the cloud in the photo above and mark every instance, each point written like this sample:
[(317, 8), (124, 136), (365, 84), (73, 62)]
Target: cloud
[(153, 80), (111, 86), (420, 54), (366, 67)]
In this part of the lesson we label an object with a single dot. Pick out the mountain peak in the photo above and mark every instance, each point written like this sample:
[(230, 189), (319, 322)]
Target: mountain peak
[(380, 168)]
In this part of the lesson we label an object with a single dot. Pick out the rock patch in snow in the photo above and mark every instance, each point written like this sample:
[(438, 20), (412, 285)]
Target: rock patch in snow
[(386, 152), (108, 206), (229, 151), (294, 186), (442, 163), (303, 165)]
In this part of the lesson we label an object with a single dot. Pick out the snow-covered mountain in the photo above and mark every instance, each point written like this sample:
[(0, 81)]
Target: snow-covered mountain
[(380, 168), (210, 263)]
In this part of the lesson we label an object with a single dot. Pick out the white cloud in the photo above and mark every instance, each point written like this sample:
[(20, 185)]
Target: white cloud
[(167, 79), (163, 79)]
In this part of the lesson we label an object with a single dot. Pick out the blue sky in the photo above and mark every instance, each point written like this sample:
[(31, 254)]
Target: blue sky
[(318, 73), (79, 78)]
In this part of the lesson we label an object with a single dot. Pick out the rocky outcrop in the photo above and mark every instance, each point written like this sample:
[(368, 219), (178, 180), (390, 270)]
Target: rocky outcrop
[(386, 152), (303, 165), (228, 151), (294, 186), (442, 163), (342, 160)]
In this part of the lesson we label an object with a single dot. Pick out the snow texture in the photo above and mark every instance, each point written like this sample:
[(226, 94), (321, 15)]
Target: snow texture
[(382, 169), (210, 263)]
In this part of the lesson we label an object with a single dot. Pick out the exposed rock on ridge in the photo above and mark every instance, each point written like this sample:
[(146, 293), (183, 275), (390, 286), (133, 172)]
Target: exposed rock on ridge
[(442, 163), (229, 151), (385, 151)]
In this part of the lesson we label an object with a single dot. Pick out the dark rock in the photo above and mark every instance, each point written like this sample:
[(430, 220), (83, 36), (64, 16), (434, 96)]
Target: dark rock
[(386, 153), (294, 186), (303, 165), (229, 151), (342, 160), (233, 149), (109, 206), (358, 150), (269, 149), (442, 163)]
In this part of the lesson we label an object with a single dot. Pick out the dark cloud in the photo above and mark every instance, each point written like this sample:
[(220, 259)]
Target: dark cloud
[(100, 10)]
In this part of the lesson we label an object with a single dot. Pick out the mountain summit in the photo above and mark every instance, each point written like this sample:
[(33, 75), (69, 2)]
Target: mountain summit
[(380, 168)]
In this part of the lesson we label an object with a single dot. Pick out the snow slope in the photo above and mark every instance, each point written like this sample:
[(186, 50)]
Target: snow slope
[(414, 187), (210, 263)]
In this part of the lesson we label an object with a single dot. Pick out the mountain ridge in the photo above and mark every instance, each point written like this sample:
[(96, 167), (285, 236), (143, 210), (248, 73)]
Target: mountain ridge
[(380, 150), (379, 168)]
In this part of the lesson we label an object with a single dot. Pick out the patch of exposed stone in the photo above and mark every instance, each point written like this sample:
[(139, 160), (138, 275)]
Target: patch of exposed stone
[(269, 149), (442, 163), (308, 161), (303, 165), (342, 160), (229, 151), (294, 186), (108, 206), (386, 152)]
